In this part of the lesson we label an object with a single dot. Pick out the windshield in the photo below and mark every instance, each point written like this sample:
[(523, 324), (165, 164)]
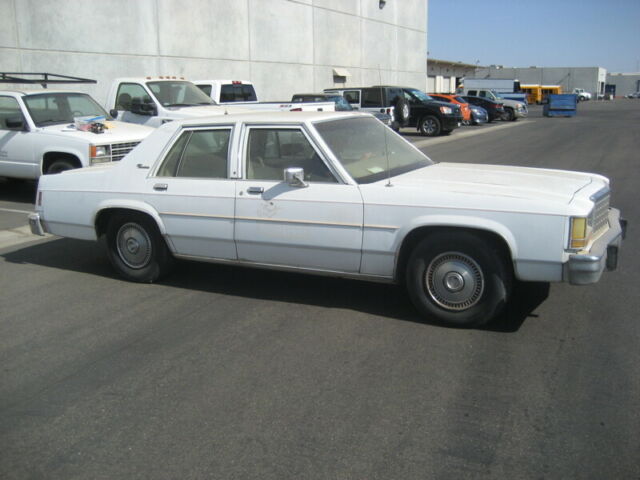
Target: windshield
[(61, 107), (368, 150), (460, 99), (420, 95), (179, 94)]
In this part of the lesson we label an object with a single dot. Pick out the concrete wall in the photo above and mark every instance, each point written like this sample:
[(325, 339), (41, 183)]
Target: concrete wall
[(592, 79), (625, 83), (283, 46)]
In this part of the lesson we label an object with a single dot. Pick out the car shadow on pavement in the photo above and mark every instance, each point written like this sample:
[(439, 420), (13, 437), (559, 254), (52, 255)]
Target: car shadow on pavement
[(372, 298), (19, 191)]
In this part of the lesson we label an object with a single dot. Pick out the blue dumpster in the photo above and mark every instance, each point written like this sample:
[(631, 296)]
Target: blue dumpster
[(560, 105)]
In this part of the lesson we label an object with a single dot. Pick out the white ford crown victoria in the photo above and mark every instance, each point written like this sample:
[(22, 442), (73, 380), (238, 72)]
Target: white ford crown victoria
[(339, 194)]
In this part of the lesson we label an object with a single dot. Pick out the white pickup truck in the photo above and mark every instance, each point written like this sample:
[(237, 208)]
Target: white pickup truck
[(582, 94), (242, 93), (153, 101), (39, 133)]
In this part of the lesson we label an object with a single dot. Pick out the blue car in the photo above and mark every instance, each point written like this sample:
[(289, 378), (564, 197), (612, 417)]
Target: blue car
[(478, 115)]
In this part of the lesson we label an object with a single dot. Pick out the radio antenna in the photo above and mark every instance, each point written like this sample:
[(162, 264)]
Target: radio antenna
[(386, 146)]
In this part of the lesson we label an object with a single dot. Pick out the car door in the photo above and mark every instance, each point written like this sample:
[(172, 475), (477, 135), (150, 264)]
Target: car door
[(193, 194), (16, 146), (316, 226)]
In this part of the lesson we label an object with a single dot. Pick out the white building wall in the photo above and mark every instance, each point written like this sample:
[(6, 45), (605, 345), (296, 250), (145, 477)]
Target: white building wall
[(284, 46)]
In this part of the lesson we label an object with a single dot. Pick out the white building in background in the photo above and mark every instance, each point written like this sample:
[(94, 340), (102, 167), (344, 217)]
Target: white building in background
[(283, 46), (592, 79)]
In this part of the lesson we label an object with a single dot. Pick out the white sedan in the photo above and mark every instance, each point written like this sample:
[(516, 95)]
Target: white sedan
[(338, 194)]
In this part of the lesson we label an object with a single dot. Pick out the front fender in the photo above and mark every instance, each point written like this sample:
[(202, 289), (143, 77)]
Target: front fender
[(462, 221)]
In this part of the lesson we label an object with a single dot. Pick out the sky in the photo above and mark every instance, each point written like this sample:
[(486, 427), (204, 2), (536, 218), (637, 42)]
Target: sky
[(544, 33)]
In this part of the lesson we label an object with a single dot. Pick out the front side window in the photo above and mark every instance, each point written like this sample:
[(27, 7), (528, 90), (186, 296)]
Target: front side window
[(198, 154), (369, 150), (271, 150), (55, 108), (352, 96), (127, 92), (179, 94), (9, 110)]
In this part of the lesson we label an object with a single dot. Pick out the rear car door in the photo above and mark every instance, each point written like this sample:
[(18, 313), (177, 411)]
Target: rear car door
[(193, 194), (16, 144)]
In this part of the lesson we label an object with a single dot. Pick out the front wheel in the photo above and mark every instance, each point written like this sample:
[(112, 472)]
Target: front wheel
[(509, 115), (430, 126), (59, 166), (458, 279), (136, 249)]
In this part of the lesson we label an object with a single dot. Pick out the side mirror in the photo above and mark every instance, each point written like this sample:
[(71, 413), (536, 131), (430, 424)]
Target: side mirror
[(114, 113), (294, 177), (16, 123)]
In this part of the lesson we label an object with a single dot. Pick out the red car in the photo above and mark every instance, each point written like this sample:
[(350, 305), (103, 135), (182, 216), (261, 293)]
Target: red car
[(450, 98)]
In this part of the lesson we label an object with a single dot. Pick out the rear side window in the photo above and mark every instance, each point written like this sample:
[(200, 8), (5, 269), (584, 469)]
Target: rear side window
[(237, 93), (473, 93), (198, 154), (372, 98)]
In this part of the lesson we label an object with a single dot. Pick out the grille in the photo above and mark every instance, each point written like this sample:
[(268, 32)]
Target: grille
[(119, 150), (600, 215)]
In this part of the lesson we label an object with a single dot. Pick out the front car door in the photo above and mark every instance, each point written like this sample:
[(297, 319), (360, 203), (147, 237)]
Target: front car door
[(317, 226), (16, 146), (194, 194)]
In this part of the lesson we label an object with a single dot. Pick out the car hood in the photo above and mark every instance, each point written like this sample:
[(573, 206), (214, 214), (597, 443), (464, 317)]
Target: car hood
[(115, 132), (516, 183), (204, 111)]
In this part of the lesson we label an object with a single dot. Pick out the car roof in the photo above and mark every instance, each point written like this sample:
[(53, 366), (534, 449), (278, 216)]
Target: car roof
[(268, 117)]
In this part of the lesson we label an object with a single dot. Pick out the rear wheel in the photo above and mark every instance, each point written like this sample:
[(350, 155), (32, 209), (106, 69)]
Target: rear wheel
[(136, 249), (458, 279), (430, 126)]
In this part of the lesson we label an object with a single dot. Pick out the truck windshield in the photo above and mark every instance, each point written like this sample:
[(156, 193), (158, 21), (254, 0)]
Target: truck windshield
[(420, 95), (369, 150), (179, 94), (61, 107)]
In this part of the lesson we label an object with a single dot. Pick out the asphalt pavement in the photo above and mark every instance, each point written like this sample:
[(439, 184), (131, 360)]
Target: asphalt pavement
[(236, 373)]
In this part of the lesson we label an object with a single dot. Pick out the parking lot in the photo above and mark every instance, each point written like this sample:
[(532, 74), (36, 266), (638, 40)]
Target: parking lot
[(224, 372)]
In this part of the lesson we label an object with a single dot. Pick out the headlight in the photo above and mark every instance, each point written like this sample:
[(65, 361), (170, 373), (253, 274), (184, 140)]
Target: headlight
[(579, 233), (446, 110), (99, 153)]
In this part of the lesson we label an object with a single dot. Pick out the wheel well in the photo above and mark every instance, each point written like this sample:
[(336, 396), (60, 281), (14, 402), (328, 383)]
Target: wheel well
[(51, 157), (415, 236), (103, 217)]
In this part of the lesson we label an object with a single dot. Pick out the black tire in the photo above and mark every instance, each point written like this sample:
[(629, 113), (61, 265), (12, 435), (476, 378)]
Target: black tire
[(430, 126), (458, 279), (60, 165), (136, 249), (509, 116), (402, 111)]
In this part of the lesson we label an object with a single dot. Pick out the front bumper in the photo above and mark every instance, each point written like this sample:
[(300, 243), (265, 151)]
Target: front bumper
[(586, 267), (36, 224), (451, 122)]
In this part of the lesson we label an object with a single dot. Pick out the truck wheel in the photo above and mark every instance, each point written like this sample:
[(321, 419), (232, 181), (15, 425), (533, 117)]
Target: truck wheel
[(458, 279), (136, 249), (60, 165), (430, 126), (509, 116)]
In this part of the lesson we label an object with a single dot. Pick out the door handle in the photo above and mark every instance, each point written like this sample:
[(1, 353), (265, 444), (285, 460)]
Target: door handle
[(255, 190), (160, 186)]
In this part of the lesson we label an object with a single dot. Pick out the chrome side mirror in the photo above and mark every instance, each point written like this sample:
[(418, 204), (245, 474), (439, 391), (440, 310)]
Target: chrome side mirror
[(294, 177)]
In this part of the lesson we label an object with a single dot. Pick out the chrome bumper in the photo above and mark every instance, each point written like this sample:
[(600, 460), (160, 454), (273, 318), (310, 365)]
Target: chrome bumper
[(35, 223), (585, 268)]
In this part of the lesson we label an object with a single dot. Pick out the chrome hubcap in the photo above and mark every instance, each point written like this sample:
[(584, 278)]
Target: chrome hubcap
[(134, 245), (454, 281)]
